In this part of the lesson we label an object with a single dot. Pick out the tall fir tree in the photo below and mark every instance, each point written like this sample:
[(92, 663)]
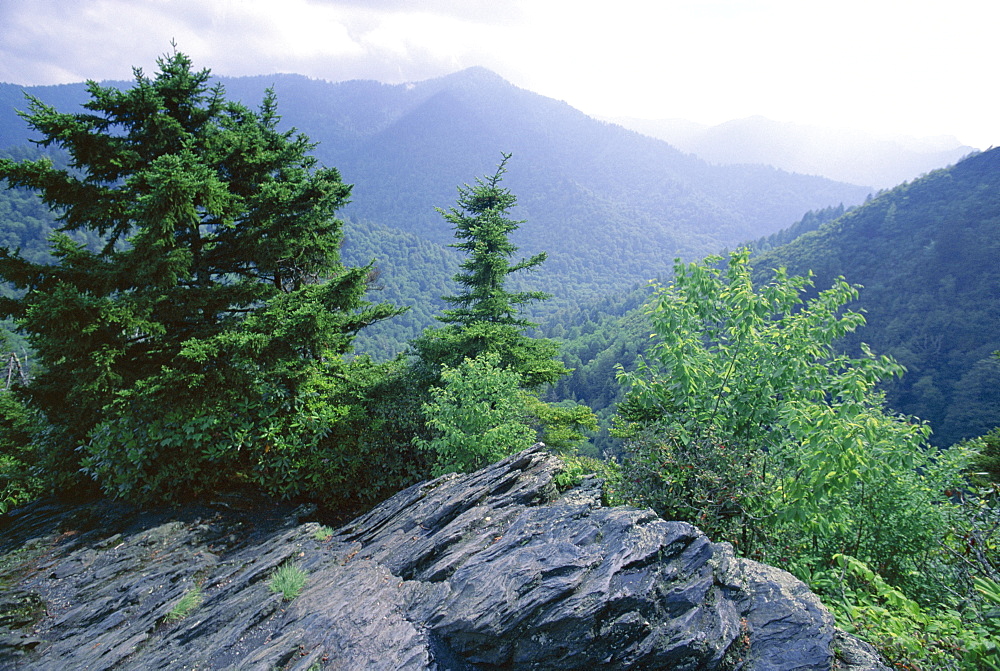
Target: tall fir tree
[(218, 290), (481, 370), (483, 226), (487, 317)]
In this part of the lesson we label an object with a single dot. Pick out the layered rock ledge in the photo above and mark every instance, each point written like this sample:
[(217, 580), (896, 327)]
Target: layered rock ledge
[(491, 570)]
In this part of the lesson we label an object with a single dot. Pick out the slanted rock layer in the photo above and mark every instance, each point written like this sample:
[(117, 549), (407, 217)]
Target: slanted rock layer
[(491, 570)]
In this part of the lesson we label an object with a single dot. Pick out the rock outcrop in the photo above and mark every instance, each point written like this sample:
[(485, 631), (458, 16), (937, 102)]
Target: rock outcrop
[(492, 570)]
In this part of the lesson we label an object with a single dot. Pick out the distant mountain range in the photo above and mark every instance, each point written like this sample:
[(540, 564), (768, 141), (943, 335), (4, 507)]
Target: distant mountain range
[(611, 207), (840, 154)]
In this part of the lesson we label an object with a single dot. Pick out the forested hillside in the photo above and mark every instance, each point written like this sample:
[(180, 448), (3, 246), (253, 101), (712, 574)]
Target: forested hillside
[(927, 255), (612, 208), (25, 221), (609, 206)]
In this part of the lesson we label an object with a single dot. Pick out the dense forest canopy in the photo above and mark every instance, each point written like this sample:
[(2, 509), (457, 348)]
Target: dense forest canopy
[(927, 255)]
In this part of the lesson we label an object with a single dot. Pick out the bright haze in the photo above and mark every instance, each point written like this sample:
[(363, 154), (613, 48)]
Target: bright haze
[(886, 67)]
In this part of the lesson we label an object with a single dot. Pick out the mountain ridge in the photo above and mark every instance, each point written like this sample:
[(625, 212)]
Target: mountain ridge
[(610, 206), (926, 254)]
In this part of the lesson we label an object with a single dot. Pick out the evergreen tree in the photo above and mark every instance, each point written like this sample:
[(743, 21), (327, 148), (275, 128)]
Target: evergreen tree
[(487, 316), (217, 303), (480, 367), (482, 224)]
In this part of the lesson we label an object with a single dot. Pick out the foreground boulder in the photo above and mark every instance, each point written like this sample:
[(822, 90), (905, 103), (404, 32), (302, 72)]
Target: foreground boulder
[(492, 570)]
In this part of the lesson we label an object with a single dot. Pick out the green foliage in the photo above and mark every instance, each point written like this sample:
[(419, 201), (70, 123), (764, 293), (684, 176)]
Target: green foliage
[(26, 223), (411, 272), (477, 416), (914, 637), (480, 366), (205, 339), (745, 420), (288, 580), (487, 317), (985, 466), (576, 467), (335, 439), (926, 253), (481, 413), (186, 605), (816, 461), (483, 227), (323, 533), (532, 358), (561, 426), (973, 541), (20, 478), (704, 480)]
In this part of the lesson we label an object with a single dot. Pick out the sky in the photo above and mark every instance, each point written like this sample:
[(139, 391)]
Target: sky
[(888, 67)]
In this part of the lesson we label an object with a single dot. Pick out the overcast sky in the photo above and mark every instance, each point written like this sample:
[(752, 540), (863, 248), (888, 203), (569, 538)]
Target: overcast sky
[(916, 67)]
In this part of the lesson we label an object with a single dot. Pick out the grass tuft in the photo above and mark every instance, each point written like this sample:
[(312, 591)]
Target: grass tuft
[(186, 605), (323, 533), (288, 580)]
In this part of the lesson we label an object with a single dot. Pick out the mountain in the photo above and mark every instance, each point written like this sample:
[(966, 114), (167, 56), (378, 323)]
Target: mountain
[(610, 206), (840, 154), (928, 256)]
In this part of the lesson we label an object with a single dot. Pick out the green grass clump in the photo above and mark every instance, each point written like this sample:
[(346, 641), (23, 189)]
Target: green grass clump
[(185, 606), (288, 580)]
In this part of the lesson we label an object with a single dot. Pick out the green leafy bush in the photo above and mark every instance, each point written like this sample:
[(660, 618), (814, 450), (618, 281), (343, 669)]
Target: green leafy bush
[(477, 417), (743, 418), (914, 637), (745, 421), (336, 438), (576, 467), (707, 481), (21, 480)]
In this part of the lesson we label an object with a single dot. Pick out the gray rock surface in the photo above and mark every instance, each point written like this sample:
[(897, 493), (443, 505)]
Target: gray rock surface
[(491, 570)]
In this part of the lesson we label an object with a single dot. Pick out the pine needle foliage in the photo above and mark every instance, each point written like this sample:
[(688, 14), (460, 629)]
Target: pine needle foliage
[(205, 338), (483, 226)]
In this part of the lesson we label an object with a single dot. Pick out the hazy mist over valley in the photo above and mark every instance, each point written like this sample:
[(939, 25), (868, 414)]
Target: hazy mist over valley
[(841, 154)]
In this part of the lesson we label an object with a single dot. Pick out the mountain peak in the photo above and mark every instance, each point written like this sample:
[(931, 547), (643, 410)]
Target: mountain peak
[(477, 73), (476, 77)]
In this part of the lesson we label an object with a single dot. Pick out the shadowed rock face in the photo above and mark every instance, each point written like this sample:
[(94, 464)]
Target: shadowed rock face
[(492, 570)]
